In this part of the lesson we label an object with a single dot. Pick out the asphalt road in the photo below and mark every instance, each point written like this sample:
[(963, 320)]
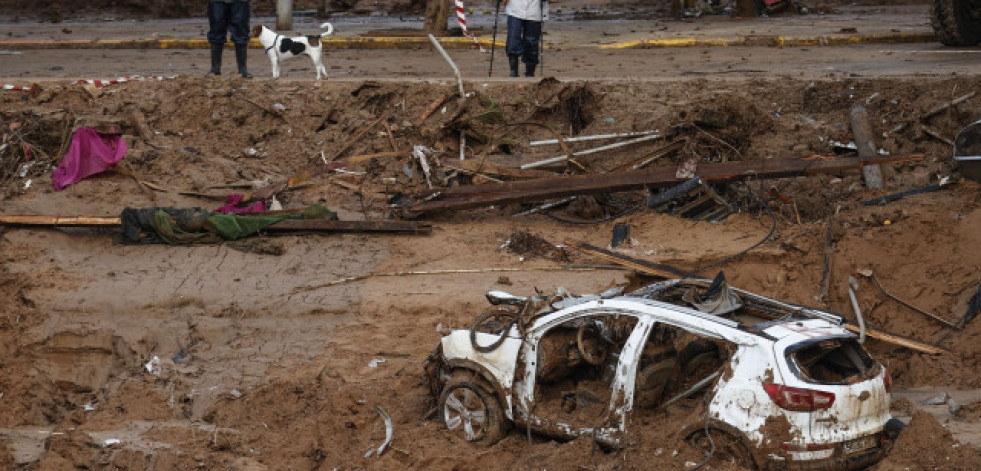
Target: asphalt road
[(852, 42)]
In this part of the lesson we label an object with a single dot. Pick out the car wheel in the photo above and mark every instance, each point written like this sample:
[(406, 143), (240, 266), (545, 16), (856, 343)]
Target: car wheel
[(723, 446), (470, 411)]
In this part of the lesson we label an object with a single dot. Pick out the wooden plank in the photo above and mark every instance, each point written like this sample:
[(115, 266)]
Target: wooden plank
[(324, 225), (642, 266), (473, 196), (901, 341), (53, 221)]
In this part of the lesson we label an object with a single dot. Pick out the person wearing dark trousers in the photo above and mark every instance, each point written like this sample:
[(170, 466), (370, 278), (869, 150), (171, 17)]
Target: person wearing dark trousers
[(225, 16), (524, 33)]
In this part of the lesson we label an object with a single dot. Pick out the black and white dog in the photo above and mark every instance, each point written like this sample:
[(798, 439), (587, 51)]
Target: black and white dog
[(279, 47)]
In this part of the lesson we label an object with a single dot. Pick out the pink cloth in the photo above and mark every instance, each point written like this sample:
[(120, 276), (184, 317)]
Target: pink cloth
[(89, 154), (232, 206)]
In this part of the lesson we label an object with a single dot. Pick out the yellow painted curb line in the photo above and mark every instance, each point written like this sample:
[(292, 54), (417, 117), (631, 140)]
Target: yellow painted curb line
[(776, 41), (342, 43)]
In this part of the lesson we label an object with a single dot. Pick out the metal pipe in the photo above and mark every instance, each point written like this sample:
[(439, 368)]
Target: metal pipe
[(456, 71), (852, 287), (595, 137), (593, 150)]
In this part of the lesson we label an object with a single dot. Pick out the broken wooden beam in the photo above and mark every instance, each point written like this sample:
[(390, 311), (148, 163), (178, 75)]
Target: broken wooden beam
[(472, 196), (638, 265)]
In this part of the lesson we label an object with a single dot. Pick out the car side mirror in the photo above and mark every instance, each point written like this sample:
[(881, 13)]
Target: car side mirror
[(496, 298)]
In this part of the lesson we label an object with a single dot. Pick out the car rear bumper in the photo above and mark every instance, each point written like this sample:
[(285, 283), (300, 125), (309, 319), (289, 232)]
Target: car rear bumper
[(859, 460)]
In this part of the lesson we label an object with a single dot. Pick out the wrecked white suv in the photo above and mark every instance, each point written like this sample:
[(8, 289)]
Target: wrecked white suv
[(783, 385)]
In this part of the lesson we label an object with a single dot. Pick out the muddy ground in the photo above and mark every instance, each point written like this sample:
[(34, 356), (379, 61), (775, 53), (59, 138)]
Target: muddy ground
[(272, 352)]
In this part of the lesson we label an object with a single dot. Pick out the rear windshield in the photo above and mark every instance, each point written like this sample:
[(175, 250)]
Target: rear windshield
[(832, 361)]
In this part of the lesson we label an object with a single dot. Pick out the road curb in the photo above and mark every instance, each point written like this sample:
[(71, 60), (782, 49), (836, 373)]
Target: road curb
[(777, 41), (467, 43), (176, 43)]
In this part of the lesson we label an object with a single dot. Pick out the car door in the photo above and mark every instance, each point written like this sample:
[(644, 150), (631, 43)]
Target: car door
[(578, 374)]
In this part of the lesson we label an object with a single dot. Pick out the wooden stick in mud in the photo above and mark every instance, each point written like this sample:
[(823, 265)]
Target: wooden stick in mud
[(642, 266), (357, 137), (433, 107), (945, 106), (901, 341)]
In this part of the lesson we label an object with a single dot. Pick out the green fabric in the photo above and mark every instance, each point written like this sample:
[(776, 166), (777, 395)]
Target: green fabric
[(236, 226), (171, 232), (195, 226)]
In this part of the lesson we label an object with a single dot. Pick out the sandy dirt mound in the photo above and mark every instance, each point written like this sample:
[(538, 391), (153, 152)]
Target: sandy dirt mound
[(274, 352)]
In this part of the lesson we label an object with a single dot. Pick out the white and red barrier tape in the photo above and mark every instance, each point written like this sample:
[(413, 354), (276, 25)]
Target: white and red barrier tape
[(97, 83), (462, 18)]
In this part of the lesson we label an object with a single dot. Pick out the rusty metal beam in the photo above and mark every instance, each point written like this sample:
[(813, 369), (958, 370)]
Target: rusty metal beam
[(473, 196)]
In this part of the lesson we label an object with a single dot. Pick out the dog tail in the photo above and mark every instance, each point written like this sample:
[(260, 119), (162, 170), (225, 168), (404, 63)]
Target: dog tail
[(330, 29)]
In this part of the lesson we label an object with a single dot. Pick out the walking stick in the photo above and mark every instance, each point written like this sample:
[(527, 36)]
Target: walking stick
[(541, 38), (497, 13)]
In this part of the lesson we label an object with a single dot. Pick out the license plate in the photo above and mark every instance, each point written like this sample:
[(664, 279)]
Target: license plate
[(857, 445)]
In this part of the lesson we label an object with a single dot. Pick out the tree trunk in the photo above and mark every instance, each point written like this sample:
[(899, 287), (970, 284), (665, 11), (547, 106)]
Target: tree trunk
[(436, 13)]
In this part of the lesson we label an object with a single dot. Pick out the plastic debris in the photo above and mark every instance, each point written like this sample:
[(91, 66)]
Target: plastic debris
[(111, 441), (941, 398), (377, 361), (153, 366)]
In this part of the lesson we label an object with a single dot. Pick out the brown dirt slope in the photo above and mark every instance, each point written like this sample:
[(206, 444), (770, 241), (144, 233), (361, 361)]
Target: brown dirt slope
[(263, 358)]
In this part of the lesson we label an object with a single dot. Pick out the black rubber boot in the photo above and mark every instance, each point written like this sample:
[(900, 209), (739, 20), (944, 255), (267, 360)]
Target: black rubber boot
[(530, 70), (216, 50), (513, 62), (241, 57)]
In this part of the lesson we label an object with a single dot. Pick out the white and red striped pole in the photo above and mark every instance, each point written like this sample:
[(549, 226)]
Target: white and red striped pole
[(461, 16)]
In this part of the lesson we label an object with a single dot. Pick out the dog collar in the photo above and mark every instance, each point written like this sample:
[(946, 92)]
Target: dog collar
[(273, 43)]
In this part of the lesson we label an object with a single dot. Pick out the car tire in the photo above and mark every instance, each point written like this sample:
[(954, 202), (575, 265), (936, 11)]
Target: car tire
[(952, 21), (470, 410), (724, 447)]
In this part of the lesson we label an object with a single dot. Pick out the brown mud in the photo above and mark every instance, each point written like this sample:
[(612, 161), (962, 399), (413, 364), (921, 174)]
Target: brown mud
[(247, 356)]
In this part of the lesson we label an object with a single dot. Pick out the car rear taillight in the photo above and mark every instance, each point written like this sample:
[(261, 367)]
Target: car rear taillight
[(799, 399), (887, 380)]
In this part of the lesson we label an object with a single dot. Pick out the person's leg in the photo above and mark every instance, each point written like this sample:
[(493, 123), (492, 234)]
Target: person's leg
[(533, 32), (514, 47), (218, 24), (239, 26)]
